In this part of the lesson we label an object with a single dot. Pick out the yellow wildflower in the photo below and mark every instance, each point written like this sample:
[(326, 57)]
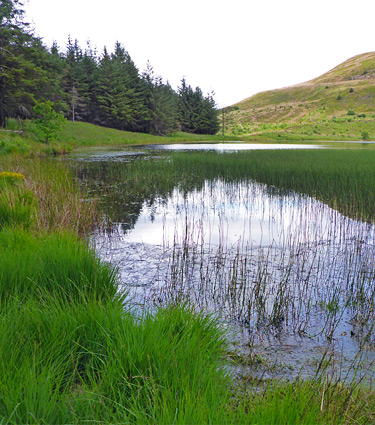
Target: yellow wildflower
[(11, 175)]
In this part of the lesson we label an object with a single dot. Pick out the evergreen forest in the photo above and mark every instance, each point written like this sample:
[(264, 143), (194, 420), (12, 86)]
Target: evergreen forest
[(105, 89)]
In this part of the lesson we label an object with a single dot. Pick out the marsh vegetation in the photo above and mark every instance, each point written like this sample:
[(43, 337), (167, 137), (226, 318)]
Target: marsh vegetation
[(278, 244), (180, 328)]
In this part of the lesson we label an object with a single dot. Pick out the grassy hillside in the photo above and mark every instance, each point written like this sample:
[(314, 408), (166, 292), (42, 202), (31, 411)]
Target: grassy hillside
[(340, 105)]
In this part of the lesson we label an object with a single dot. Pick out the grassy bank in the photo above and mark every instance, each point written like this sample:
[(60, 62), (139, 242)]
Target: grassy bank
[(343, 128), (71, 351), (80, 134)]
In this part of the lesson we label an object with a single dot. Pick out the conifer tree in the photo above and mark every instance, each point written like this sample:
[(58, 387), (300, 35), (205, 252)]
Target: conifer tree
[(196, 113), (161, 102), (18, 74)]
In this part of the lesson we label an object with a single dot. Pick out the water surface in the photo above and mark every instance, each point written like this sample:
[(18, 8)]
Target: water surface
[(284, 272)]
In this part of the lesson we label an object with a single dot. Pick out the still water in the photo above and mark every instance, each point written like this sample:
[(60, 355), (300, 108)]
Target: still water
[(284, 272)]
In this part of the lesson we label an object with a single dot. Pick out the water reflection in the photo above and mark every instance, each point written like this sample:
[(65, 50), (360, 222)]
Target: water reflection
[(232, 146), (290, 274)]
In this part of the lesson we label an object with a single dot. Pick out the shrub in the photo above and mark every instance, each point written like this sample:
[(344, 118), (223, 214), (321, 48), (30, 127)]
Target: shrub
[(48, 122), (365, 135), (351, 113)]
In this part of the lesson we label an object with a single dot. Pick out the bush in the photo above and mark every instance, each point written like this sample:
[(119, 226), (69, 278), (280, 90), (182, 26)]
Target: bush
[(365, 135), (351, 113), (48, 122)]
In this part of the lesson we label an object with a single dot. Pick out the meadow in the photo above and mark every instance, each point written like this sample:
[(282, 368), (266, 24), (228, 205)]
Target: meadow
[(73, 350)]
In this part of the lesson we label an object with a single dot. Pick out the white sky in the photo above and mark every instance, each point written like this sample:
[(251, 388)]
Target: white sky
[(234, 47)]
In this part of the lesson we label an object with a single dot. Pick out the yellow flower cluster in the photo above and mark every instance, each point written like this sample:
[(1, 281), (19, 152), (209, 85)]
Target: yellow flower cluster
[(11, 175)]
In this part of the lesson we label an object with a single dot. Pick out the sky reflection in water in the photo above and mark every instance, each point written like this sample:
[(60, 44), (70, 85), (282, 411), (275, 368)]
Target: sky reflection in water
[(278, 236)]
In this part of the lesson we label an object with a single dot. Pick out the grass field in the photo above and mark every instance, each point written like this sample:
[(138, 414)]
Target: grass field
[(80, 134)]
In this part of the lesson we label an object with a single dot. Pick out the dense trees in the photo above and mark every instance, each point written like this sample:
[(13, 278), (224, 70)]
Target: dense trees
[(196, 113), (19, 71), (104, 89)]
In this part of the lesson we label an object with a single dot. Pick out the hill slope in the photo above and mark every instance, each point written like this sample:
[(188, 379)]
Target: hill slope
[(348, 87)]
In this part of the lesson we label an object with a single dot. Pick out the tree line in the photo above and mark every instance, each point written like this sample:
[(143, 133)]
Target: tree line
[(106, 89)]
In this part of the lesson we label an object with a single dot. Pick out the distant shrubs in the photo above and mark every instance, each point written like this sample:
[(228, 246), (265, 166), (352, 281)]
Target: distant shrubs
[(351, 90), (365, 135), (351, 113)]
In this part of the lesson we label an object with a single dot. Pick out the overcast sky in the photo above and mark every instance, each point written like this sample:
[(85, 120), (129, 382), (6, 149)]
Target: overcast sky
[(234, 47)]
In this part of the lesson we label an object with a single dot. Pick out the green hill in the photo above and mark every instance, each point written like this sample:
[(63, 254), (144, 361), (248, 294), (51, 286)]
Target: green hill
[(340, 104)]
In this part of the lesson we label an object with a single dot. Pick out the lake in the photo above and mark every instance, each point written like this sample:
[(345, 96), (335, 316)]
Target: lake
[(290, 277)]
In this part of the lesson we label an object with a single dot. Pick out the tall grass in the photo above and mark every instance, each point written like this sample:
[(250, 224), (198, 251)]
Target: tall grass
[(72, 363), (17, 204), (49, 191), (70, 352), (341, 178), (58, 265)]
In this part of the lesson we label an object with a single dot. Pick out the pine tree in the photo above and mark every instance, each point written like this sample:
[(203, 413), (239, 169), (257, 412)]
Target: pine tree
[(19, 75), (196, 113), (133, 113), (161, 102), (74, 86)]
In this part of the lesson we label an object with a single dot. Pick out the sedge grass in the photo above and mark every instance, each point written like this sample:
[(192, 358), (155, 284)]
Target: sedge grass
[(55, 264), (17, 203), (343, 179), (72, 363)]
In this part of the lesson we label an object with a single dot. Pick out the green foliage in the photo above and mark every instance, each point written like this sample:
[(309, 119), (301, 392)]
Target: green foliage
[(47, 121), (196, 113), (351, 113), (365, 135), (25, 72)]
